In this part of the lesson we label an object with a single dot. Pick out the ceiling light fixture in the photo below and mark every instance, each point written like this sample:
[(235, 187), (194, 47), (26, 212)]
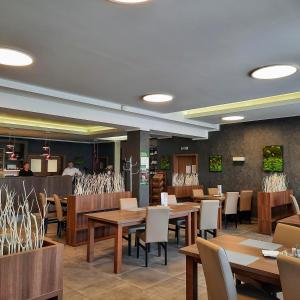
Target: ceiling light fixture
[(233, 118), (129, 1), (273, 72), (158, 98), (16, 58), (114, 138)]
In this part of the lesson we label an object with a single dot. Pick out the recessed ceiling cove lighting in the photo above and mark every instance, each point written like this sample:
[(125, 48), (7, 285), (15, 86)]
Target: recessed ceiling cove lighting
[(16, 58), (233, 118), (273, 72), (158, 98), (129, 1)]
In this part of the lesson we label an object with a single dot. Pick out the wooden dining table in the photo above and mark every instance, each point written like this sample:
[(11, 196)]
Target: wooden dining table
[(291, 220), (261, 269), (64, 200), (120, 219)]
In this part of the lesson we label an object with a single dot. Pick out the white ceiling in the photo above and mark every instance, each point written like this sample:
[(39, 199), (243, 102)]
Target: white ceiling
[(200, 51)]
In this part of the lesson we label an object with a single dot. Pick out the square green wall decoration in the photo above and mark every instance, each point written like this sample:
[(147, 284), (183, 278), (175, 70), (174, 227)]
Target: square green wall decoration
[(215, 163), (273, 158)]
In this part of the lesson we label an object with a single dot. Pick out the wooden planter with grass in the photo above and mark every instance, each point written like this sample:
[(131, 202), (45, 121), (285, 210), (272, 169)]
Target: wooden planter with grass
[(35, 274)]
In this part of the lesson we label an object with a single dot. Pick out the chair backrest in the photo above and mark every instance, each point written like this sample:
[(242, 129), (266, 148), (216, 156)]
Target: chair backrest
[(295, 204), (286, 235), (172, 200), (128, 203), (58, 207), (157, 224), (209, 214), (289, 271), (197, 193), (213, 191), (231, 203), (42, 201), (246, 200), (217, 271)]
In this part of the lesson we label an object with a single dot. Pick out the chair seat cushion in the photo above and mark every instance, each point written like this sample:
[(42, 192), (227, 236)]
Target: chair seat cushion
[(248, 292), (133, 229)]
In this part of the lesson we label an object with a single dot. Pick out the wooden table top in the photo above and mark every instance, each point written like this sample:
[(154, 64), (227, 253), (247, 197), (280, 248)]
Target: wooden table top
[(210, 197), (62, 200), (292, 220), (263, 266), (130, 216)]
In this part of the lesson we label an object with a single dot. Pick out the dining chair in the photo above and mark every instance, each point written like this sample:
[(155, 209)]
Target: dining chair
[(245, 205), (289, 271), (178, 223), (230, 209), (157, 221), (212, 191), (218, 275), (130, 204), (286, 235), (295, 204), (197, 193), (209, 210), (61, 218), (49, 216)]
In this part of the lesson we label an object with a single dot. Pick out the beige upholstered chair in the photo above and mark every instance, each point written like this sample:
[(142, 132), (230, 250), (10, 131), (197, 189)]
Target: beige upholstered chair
[(130, 204), (286, 235), (213, 191), (295, 204), (178, 223), (289, 271), (231, 203), (157, 221), (219, 277), (49, 217), (245, 204), (209, 217), (61, 218), (197, 193)]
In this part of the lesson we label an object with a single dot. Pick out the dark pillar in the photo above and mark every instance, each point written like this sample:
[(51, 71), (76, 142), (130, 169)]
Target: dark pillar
[(138, 148)]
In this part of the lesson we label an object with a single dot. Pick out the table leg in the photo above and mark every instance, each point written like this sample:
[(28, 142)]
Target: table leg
[(188, 229), (191, 279), (194, 227), (118, 249), (91, 241), (220, 218)]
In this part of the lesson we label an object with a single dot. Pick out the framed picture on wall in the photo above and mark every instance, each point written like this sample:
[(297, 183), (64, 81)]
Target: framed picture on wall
[(273, 158), (215, 163)]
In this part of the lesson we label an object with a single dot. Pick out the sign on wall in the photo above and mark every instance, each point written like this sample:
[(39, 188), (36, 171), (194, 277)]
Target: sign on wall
[(144, 168)]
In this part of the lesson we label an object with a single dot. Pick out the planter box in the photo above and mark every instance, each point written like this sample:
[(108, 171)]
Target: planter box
[(185, 191), (36, 274), (77, 225), (272, 207)]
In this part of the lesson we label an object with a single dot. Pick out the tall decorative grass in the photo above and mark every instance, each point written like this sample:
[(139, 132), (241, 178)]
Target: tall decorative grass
[(185, 179), (88, 184), (20, 228), (276, 182)]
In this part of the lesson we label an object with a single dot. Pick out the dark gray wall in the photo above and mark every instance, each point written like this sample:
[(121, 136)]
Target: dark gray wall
[(244, 139)]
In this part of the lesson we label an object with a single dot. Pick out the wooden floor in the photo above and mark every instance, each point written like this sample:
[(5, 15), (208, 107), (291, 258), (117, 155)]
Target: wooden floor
[(96, 280)]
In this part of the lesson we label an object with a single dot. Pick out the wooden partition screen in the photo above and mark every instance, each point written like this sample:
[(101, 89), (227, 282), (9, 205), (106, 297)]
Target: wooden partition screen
[(271, 208), (80, 205), (183, 191)]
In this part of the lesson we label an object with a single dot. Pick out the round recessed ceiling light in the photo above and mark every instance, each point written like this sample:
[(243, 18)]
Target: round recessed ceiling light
[(273, 72), (158, 98), (129, 1), (233, 118), (16, 58)]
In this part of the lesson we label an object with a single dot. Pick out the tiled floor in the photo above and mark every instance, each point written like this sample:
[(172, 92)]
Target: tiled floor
[(96, 280)]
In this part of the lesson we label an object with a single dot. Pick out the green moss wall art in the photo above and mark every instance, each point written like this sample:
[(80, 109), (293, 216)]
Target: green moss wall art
[(273, 158), (215, 163)]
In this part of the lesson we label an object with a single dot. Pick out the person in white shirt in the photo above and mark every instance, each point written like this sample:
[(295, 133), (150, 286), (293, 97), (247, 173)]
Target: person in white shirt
[(71, 170)]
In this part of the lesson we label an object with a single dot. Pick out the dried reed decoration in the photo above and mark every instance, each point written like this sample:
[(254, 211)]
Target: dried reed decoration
[(88, 184), (185, 179), (20, 228), (276, 182)]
